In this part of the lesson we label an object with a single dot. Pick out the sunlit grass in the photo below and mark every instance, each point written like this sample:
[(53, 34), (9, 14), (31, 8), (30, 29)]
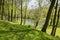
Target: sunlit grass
[(49, 29), (11, 31), (57, 31)]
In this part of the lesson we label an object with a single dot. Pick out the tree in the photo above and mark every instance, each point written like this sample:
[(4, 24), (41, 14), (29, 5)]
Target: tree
[(12, 11), (21, 12), (39, 12), (2, 10), (0, 5), (8, 11), (54, 21), (57, 21), (48, 16), (15, 11), (25, 11)]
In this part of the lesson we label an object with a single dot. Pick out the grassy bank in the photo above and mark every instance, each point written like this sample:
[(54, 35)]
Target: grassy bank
[(10, 31)]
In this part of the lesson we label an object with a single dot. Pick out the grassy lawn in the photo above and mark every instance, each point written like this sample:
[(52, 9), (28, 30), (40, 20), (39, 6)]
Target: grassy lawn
[(57, 31), (49, 29), (10, 31)]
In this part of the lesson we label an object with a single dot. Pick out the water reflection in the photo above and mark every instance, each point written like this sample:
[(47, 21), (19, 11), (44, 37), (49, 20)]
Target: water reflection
[(32, 22)]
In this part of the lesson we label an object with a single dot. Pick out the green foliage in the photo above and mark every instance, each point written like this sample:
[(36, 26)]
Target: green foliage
[(9, 31)]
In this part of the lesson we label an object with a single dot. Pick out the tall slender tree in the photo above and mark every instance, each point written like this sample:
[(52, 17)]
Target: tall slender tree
[(21, 13), (12, 12), (57, 21), (48, 16), (2, 10), (8, 11), (15, 11), (0, 5), (54, 21), (39, 3), (8, 15)]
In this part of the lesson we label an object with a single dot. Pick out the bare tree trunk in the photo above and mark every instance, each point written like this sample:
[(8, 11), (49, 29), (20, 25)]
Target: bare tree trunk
[(2, 10), (8, 13), (21, 13), (0, 5), (15, 11), (54, 21), (12, 12), (36, 23), (57, 22), (48, 16)]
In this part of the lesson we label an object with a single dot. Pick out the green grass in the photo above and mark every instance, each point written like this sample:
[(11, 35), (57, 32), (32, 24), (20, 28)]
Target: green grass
[(57, 31), (49, 29), (11, 31)]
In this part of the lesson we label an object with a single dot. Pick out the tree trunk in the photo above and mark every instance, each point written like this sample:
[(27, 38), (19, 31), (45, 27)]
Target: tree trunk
[(21, 12), (8, 15), (12, 12), (0, 5), (57, 22), (54, 21), (15, 11), (36, 23), (48, 16), (2, 10)]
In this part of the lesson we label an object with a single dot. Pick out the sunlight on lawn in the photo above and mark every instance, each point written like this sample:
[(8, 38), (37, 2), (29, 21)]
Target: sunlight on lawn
[(49, 30), (57, 31)]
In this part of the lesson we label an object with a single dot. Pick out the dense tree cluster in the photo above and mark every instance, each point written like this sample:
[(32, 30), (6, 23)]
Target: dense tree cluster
[(18, 10)]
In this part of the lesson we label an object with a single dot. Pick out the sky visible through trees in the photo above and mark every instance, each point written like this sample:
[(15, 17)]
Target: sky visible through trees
[(34, 4)]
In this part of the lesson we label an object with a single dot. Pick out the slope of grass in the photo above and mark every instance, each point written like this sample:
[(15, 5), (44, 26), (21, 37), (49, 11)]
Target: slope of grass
[(49, 29), (9, 31), (57, 31)]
